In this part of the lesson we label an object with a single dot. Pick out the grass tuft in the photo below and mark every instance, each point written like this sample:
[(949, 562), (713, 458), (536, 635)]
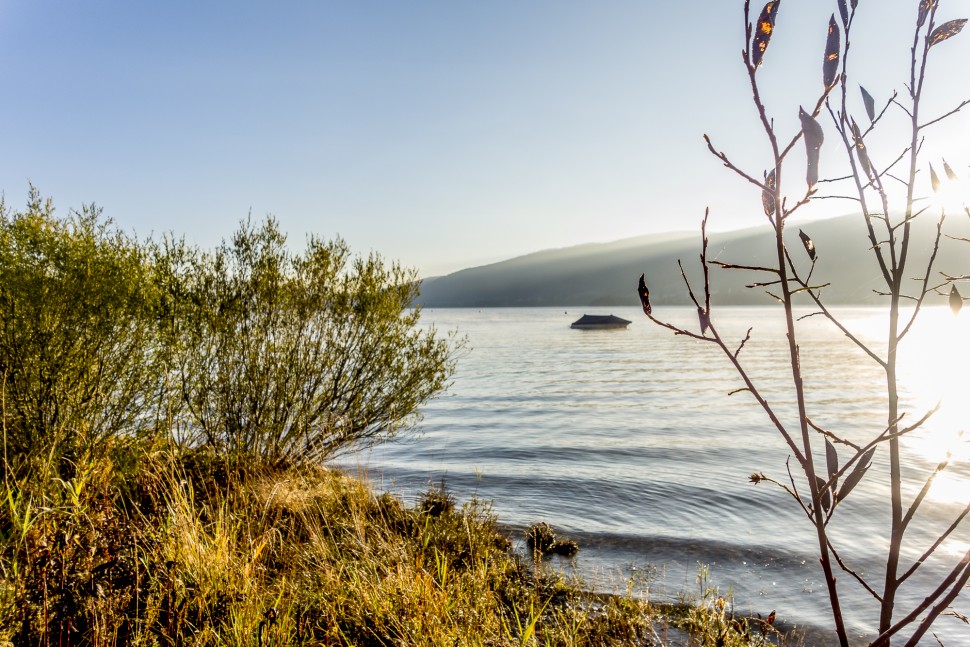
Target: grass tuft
[(147, 546)]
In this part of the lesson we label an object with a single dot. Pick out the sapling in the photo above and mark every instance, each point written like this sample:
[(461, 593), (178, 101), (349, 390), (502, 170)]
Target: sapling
[(830, 465)]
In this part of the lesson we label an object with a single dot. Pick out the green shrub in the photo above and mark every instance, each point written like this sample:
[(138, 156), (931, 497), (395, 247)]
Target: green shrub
[(76, 340), (296, 356)]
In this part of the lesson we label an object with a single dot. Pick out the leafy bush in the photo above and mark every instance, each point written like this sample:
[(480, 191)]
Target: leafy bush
[(76, 331), (296, 356)]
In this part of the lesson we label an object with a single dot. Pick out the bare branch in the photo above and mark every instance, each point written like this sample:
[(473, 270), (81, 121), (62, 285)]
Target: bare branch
[(886, 435), (744, 341), (882, 112), (903, 108), (957, 578), (926, 278), (733, 266), (962, 105), (845, 331), (918, 499), (690, 291), (908, 219), (679, 331), (851, 198), (836, 439), (884, 268), (762, 285), (964, 277), (728, 163), (811, 287), (936, 544), (858, 578), (898, 179)]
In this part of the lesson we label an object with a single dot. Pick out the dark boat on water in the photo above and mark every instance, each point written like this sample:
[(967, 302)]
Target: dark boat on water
[(597, 322)]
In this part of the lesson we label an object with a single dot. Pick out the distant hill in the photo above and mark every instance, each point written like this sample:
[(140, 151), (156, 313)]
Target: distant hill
[(605, 274)]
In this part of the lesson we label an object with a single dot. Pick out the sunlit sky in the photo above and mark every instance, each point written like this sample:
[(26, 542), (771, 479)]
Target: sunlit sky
[(441, 134)]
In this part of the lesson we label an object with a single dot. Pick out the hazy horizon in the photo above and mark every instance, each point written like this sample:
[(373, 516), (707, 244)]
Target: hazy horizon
[(440, 135)]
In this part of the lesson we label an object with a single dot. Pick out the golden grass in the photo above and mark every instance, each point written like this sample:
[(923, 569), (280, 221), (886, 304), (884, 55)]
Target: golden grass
[(191, 551)]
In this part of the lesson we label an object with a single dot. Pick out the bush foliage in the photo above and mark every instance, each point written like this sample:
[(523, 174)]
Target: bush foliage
[(291, 356), (250, 347), (166, 410), (76, 331)]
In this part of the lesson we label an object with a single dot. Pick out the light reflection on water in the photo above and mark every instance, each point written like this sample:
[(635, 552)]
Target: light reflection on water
[(627, 441)]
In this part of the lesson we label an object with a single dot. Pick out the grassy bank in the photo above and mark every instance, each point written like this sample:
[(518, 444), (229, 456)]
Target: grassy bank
[(115, 352), (142, 546)]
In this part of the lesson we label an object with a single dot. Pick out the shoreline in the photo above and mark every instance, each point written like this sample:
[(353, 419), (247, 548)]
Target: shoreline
[(192, 547)]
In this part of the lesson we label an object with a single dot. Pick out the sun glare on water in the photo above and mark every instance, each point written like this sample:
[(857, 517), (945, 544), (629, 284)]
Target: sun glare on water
[(933, 370)]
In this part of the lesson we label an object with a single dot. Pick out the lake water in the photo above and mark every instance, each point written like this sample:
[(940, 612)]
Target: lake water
[(628, 442)]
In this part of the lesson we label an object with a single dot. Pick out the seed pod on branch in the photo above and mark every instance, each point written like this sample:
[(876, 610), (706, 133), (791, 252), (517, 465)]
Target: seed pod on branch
[(833, 45), (950, 175), (813, 143), (956, 301), (644, 296), (855, 475), (934, 180), (807, 242), (870, 104), (924, 11), (763, 31), (832, 462), (844, 13), (946, 30), (768, 193), (861, 153), (703, 319), (824, 495)]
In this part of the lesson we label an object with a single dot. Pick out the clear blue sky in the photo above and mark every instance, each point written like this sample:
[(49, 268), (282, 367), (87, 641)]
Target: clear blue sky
[(442, 134)]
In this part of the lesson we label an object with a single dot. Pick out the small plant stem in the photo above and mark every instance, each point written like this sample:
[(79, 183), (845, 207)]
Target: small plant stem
[(897, 527), (809, 464)]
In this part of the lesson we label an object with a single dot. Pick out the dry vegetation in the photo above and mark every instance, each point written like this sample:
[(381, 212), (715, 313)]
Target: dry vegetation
[(145, 546), (166, 412)]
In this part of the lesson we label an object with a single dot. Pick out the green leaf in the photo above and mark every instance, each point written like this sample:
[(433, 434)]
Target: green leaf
[(813, 143), (830, 66), (763, 31), (870, 104), (946, 30)]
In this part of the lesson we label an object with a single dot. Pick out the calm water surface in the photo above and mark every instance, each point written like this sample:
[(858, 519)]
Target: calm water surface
[(627, 441)]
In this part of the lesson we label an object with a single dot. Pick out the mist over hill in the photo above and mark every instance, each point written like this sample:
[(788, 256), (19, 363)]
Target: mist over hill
[(605, 274)]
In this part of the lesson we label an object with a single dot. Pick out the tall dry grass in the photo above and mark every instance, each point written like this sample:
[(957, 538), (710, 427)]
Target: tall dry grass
[(146, 546)]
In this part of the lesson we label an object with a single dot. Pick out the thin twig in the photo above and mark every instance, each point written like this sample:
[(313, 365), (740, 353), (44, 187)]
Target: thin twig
[(733, 266), (960, 107), (744, 341), (855, 575)]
